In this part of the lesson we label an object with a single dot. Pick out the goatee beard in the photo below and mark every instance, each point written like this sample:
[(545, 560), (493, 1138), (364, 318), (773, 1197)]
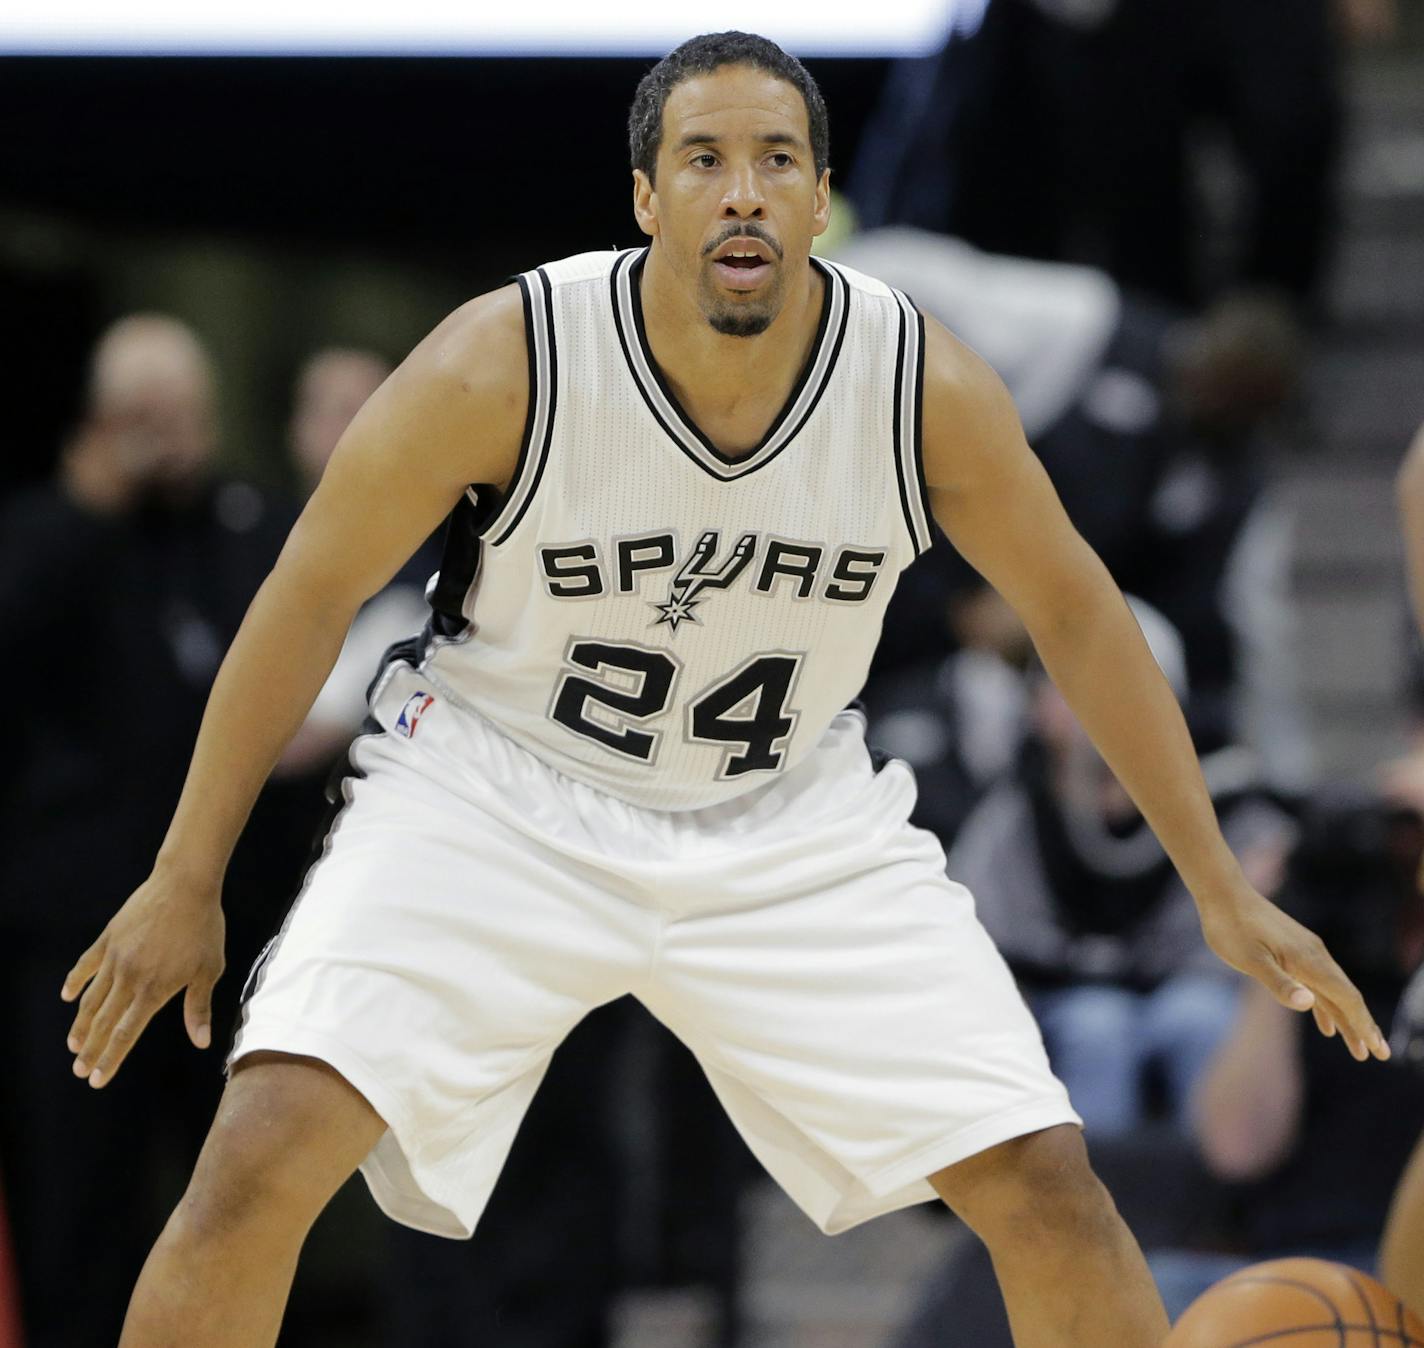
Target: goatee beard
[(736, 324)]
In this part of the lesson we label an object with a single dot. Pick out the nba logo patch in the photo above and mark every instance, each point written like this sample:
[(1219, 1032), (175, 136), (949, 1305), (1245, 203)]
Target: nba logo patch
[(416, 705)]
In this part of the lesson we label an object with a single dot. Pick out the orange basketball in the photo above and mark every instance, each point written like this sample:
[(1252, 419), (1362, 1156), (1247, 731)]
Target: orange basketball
[(1297, 1303)]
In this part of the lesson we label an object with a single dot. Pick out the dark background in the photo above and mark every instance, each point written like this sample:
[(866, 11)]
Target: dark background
[(460, 171), (485, 162)]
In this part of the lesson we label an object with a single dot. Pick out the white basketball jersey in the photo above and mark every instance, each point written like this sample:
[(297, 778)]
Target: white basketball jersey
[(647, 615)]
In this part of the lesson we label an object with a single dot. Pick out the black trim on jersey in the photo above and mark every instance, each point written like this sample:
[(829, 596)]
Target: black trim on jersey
[(635, 272), (895, 432), (628, 270), (613, 279), (835, 350), (534, 388), (531, 411), (920, 428), (921, 535), (460, 558)]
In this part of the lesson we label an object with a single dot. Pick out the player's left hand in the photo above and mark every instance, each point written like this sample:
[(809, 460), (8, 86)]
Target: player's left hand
[(1291, 962)]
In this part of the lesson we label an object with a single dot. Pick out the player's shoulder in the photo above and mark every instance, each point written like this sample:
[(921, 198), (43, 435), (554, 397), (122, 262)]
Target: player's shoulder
[(461, 395), (866, 287), (579, 269), (480, 344), (958, 378), (969, 416)]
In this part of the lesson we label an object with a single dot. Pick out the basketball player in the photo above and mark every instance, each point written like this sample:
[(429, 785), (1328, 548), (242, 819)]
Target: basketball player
[(1401, 1255), (1402, 1247), (618, 760)]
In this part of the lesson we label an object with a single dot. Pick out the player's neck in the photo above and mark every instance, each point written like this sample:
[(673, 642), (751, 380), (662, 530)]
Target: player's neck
[(732, 387)]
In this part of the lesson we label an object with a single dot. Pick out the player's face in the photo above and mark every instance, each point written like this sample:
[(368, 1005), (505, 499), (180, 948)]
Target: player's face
[(737, 200)]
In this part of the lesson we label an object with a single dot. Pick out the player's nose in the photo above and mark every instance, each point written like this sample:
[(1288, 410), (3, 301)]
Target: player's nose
[(743, 197)]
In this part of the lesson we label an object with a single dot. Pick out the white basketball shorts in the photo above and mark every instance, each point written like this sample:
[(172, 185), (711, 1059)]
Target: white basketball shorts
[(472, 904)]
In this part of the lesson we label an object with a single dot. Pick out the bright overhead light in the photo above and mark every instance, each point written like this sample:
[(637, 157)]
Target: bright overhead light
[(447, 27)]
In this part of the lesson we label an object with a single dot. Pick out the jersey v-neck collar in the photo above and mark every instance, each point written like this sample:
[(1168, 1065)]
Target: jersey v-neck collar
[(668, 412)]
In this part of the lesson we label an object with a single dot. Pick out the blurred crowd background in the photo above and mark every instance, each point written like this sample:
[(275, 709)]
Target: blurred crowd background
[(1189, 234)]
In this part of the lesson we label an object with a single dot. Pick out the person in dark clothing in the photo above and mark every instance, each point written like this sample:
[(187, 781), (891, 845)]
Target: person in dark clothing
[(1292, 1152), (1065, 129), (1092, 919), (1150, 425), (121, 584), (1316, 1148)]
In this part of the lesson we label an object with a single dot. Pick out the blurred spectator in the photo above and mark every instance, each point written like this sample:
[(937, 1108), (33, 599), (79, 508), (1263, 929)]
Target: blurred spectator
[(1100, 931), (959, 720), (289, 818), (1071, 130), (1315, 1140), (1149, 424), (121, 584), (331, 387)]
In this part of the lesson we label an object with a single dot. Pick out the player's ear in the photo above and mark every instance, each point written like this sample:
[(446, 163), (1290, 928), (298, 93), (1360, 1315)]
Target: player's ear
[(645, 203), (821, 215)]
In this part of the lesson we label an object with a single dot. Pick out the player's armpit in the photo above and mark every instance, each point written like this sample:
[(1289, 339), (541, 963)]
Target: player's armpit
[(450, 416)]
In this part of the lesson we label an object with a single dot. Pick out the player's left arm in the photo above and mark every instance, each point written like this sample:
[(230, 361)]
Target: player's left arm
[(993, 499)]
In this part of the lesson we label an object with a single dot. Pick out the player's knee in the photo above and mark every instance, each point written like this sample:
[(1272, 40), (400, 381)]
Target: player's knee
[(1037, 1187), (287, 1134)]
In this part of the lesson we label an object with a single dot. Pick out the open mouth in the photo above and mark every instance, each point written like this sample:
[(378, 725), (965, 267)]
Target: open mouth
[(742, 268)]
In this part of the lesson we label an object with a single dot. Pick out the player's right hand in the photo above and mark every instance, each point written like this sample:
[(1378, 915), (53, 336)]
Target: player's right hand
[(168, 936)]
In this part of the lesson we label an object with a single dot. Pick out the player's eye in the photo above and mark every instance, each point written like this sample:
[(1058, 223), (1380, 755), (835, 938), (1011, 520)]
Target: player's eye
[(781, 160), (705, 160)]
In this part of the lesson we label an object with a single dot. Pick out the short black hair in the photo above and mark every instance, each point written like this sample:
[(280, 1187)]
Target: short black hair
[(701, 56)]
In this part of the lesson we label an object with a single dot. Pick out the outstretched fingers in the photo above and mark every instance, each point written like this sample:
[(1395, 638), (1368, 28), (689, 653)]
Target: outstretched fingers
[(121, 1038), (161, 941), (1335, 998), (113, 1012), (89, 1004)]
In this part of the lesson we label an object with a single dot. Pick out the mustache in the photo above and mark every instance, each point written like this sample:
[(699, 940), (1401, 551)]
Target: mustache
[(747, 231)]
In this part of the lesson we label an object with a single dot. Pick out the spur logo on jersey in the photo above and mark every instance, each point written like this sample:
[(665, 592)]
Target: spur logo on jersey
[(765, 564), (702, 572), (416, 705)]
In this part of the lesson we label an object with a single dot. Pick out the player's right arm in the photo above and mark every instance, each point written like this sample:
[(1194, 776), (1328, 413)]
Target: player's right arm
[(451, 415)]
